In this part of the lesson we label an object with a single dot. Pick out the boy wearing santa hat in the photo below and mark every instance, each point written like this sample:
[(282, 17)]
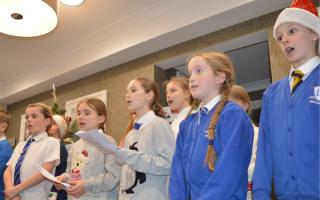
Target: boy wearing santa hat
[(288, 147), (58, 130)]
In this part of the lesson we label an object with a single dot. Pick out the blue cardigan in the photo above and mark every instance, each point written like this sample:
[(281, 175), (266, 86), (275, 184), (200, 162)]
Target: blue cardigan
[(288, 147), (190, 175), (5, 154)]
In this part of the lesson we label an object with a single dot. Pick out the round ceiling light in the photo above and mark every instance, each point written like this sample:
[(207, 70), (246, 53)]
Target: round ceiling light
[(28, 18)]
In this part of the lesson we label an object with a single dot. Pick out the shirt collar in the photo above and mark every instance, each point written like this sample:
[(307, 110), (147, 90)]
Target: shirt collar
[(211, 103), (184, 111), (3, 138), (39, 136), (307, 67), (146, 118)]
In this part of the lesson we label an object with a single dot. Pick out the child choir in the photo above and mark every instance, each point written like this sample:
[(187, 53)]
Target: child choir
[(207, 152)]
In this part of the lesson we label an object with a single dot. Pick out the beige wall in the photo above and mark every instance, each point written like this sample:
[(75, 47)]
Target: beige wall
[(280, 66), (3, 106), (115, 80)]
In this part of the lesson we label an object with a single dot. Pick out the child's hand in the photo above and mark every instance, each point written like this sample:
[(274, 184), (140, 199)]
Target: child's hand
[(59, 186), (14, 198), (77, 188), (11, 193)]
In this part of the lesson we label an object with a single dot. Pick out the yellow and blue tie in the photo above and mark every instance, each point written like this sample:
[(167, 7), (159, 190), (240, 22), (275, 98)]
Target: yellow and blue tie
[(297, 80), (20, 161)]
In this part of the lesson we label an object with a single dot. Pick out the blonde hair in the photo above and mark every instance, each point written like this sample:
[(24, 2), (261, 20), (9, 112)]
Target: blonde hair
[(219, 63), (45, 111), (98, 106), (239, 93), (149, 85)]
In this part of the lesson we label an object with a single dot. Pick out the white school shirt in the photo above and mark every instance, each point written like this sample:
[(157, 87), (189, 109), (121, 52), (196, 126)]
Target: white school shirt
[(306, 69), (211, 103), (253, 158), (180, 117), (44, 149), (3, 138)]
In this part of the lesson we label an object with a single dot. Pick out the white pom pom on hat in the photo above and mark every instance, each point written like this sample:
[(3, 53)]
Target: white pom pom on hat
[(61, 123), (303, 12)]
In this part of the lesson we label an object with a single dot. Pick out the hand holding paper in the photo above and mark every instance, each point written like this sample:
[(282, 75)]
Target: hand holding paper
[(98, 140), (51, 178)]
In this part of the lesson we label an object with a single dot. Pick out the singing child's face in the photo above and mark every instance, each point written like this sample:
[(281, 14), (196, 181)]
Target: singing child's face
[(296, 42), (3, 127), (35, 121), (203, 83), (137, 98), (88, 118), (54, 130), (177, 98)]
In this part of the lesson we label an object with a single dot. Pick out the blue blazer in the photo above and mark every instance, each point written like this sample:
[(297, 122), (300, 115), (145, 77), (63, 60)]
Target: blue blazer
[(5, 154), (288, 146), (190, 175)]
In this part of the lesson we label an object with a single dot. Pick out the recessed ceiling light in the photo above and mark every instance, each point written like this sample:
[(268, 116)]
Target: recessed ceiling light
[(72, 2)]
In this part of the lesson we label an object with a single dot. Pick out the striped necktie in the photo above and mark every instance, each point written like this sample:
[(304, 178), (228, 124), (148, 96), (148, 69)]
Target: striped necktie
[(20, 161), (202, 112), (297, 80)]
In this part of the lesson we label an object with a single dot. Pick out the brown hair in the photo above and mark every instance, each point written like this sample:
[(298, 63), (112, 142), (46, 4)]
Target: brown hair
[(239, 93), (182, 82), (148, 86), (45, 110), (98, 106), (4, 118), (219, 63)]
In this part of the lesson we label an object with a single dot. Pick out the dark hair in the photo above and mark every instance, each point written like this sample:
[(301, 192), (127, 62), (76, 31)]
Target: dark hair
[(219, 63), (98, 106), (45, 110), (150, 86)]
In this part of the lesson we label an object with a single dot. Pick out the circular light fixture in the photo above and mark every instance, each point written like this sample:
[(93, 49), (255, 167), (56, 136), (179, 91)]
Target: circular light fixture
[(72, 2), (28, 18)]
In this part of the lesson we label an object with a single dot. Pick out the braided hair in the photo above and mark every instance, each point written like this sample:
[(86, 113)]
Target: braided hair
[(219, 63)]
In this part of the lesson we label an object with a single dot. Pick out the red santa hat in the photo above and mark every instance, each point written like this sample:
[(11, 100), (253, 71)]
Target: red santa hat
[(303, 12)]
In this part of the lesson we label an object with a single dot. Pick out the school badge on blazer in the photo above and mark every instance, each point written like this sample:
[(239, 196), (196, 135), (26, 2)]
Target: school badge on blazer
[(316, 95)]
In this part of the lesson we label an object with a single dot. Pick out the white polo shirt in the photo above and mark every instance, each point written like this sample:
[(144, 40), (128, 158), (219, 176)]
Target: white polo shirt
[(180, 117), (44, 149)]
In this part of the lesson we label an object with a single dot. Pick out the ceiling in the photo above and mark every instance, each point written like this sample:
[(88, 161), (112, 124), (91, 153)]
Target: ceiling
[(101, 34)]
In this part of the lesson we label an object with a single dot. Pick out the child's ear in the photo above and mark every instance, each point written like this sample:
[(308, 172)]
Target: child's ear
[(101, 119), (150, 95), (314, 36), (245, 106), (221, 77), (48, 121)]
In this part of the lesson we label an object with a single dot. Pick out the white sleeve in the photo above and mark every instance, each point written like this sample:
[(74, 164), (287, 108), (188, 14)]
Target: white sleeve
[(106, 181), (52, 151), (158, 164)]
